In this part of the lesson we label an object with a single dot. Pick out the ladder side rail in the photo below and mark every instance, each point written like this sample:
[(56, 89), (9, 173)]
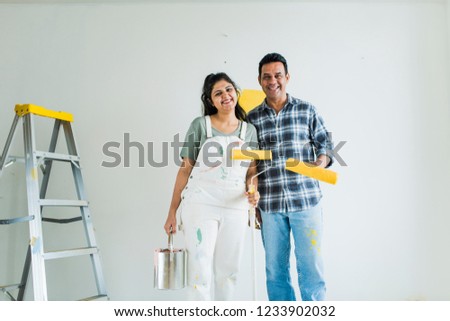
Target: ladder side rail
[(79, 185), (25, 273), (49, 162), (6, 149), (4, 158), (36, 236), (6, 292), (48, 168), (95, 257), (85, 212)]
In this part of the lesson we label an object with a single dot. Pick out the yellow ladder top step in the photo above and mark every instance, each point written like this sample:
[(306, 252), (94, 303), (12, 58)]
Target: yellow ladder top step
[(22, 110)]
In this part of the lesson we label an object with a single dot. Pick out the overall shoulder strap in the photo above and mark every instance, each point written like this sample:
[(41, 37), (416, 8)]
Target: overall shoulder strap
[(208, 127), (243, 130)]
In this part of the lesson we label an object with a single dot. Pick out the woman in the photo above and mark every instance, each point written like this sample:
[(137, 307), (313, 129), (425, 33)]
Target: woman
[(210, 190)]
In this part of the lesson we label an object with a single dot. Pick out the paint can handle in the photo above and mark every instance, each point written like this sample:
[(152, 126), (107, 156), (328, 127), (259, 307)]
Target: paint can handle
[(170, 241)]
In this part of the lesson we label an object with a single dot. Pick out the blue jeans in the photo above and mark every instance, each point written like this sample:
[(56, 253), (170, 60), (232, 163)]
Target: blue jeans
[(306, 227)]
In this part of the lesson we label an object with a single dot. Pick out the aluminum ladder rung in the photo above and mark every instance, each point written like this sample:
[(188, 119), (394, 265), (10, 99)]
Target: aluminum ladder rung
[(12, 159), (56, 156), (62, 220), (10, 287), (6, 288), (95, 297), (51, 255), (16, 220), (53, 202)]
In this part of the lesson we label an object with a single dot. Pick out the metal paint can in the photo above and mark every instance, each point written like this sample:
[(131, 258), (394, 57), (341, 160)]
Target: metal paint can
[(170, 267)]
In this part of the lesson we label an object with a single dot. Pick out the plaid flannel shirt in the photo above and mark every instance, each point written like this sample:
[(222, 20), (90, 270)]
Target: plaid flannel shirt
[(298, 132)]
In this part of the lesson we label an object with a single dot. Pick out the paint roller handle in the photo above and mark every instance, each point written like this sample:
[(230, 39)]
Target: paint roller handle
[(254, 220), (252, 191)]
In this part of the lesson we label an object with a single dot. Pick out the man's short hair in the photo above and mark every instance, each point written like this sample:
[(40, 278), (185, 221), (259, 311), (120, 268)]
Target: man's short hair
[(272, 57)]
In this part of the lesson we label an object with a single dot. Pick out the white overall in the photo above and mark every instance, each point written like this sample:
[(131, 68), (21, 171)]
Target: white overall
[(214, 216)]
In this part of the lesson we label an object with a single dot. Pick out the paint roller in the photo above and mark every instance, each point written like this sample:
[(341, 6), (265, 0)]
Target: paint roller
[(306, 169), (252, 154), (250, 98)]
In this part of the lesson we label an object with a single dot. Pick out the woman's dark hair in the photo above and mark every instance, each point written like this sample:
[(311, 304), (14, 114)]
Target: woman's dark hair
[(208, 107)]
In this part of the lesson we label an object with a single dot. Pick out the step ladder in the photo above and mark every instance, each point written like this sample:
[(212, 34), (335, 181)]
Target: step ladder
[(36, 194)]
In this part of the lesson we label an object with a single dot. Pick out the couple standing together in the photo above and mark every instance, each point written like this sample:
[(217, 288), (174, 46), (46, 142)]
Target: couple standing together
[(210, 190)]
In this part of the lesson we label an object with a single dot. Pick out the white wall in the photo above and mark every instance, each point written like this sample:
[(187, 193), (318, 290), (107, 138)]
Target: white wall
[(377, 71)]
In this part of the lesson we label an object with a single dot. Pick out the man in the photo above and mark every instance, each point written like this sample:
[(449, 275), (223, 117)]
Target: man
[(289, 202)]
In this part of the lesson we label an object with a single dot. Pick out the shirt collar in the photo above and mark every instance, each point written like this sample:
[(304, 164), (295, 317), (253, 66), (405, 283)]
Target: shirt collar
[(288, 101)]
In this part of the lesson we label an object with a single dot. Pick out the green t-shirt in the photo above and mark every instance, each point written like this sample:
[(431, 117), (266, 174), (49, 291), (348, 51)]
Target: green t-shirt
[(196, 137)]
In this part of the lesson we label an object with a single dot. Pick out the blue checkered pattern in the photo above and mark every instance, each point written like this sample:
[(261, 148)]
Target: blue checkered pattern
[(298, 132)]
